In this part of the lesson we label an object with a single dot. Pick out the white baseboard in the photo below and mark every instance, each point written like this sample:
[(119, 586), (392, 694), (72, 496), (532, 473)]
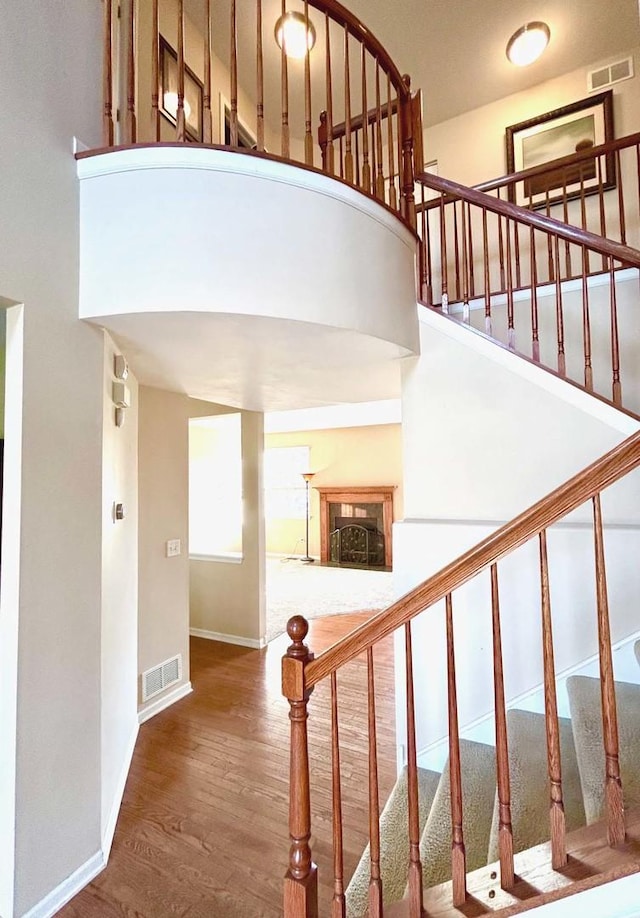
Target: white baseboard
[(109, 829), (58, 897), (165, 702), (255, 643)]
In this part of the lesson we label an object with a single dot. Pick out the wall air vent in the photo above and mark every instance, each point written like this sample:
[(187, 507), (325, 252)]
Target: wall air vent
[(159, 678), (612, 73)]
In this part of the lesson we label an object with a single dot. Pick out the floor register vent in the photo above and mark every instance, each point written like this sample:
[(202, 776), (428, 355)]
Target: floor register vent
[(159, 678)]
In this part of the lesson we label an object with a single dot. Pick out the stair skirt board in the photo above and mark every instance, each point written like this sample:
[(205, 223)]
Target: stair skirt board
[(530, 783), (586, 715), (394, 844)]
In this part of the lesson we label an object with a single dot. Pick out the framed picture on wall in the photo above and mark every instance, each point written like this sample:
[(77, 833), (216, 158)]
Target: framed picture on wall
[(193, 92), (563, 132)]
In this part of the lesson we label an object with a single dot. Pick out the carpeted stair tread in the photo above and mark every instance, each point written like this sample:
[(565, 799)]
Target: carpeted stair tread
[(478, 791), (586, 715), (394, 844), (530, 782)]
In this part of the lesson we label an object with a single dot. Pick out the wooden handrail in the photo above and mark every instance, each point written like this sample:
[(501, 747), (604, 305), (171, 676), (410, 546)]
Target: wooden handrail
[(618, 462), (356, 122), (612, 146), (573, 234), (512, 178)]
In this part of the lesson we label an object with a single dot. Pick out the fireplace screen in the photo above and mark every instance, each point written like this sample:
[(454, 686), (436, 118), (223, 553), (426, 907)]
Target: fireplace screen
[(356, 534)]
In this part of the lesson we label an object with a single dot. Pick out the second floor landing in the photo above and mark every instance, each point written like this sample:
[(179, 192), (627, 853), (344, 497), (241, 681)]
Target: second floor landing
[(241, 279)]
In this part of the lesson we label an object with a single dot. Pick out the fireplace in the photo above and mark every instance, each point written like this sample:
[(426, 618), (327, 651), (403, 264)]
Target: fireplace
[(355, 526)]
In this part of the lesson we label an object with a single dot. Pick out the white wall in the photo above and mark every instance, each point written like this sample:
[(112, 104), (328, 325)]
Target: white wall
[(485, 436), (163, 618), (10, 603), (600, 323), (58, 796), (471, 147), (163, 495), (119, 638)]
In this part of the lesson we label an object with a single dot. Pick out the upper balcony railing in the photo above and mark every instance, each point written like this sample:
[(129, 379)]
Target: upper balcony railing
[(213, 73)]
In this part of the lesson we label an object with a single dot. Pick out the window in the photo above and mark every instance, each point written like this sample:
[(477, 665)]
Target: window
[(284, 487), (215, 485)]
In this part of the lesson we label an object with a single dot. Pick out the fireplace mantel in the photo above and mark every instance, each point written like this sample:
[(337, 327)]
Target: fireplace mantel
[(375, 494)]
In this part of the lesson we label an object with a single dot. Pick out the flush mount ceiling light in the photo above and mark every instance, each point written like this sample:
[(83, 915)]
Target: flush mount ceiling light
[(527, 44), (295, 34)]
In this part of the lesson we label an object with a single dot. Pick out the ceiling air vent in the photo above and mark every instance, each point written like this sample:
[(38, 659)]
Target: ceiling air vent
[(159, 678), (612, 73)]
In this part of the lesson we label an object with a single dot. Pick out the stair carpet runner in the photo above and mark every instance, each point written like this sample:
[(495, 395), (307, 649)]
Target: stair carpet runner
[(583, 768)]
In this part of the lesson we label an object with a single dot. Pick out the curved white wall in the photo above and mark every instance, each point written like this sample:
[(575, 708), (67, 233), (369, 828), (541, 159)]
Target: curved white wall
[(168, 230)]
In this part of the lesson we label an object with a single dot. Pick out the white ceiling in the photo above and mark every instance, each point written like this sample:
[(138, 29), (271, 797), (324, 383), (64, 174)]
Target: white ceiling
[(255, 363), (454, 50)]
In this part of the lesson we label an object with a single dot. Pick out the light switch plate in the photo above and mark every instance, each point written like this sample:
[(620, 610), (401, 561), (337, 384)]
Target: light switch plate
[(173, 548)]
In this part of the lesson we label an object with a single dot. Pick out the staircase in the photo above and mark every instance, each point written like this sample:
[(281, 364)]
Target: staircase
[(582, 769), (553, 807)]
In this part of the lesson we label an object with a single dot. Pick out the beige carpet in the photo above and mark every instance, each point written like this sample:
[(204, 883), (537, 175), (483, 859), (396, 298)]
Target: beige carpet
[(478, 789), (295, 588), (394, 844), (586, 714), (528, 771)]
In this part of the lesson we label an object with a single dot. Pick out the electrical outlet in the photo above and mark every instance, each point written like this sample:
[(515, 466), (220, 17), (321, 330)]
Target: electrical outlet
[(173, 548)]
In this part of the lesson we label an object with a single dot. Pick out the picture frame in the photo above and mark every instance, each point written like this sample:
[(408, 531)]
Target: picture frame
[(553, 136), (168, 93)]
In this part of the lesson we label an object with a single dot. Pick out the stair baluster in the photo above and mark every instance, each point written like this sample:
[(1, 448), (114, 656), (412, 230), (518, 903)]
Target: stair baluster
[(487, 276), (616, 387), (458, 854), (444, 265), (375, 883), (613, 784), (415, 866), (155, 70), (308, 136), (556, 812), (511, 332), (207, 118), (562, 363), (132, 130), (284, 95), (535, 334), (505, 830), (338, 904), (348, 154), (107, 76), (586, 323)]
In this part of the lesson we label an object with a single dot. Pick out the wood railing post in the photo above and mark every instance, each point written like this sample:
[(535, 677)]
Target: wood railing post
[(322, 139), (107, 76), (406, 128), (613, 784), (301, 879), (132, 130)]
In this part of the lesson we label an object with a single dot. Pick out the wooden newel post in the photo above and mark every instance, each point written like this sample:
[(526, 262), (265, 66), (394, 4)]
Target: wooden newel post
[(406, 122), (301, 878)]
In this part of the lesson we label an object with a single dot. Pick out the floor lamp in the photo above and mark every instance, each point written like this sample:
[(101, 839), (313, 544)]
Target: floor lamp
[(307, 478)]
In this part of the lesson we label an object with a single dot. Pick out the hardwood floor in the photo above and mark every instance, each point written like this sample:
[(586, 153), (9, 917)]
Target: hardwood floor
[(203, 825)]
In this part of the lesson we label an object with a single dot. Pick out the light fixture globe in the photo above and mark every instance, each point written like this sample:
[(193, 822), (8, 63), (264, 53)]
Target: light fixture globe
[(295, 34), (527, 44)]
